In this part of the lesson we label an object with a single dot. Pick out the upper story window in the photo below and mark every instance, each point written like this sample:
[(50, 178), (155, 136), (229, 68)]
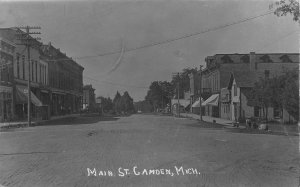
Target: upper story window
[(266, 59), (267, 74), (285, 59), (245, 59), (234, 90), (36, 71), (226, 59), (18, 65), (23, 66), (32, 71)]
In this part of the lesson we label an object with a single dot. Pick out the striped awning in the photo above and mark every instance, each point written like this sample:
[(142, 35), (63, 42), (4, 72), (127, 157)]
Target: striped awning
[(22, 97), (212, 100)]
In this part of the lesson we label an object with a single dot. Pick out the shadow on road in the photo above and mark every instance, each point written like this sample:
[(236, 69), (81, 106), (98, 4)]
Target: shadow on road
[(81, 120)]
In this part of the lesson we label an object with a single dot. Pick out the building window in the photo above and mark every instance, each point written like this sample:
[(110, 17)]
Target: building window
[(256, 111), (23, 66), (8, 77), (36, 72), (40, 80), (286, 59), (18, 66), (42, 76), (44, 72), (245, 59), (234, 90), (266, 59), (267, 74), (226, 59), (32, 72)]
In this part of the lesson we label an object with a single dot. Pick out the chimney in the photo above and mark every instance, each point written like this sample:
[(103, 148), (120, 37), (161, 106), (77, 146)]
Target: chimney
[(253, 66)]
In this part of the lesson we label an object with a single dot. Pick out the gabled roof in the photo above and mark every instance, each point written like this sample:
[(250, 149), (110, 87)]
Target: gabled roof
[(244, 79)]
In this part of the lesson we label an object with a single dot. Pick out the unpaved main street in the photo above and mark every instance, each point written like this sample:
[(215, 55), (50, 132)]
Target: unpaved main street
[(60, 153)]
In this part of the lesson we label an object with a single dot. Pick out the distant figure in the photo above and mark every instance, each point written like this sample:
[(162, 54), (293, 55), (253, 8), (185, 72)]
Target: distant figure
[(248, 123)]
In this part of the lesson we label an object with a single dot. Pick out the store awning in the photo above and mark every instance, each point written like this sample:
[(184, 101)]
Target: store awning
[(22, 97), (212, 100), (197, 103)]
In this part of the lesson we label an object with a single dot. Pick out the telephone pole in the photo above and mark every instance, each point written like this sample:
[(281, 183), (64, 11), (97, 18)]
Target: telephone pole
[(200, 92), (176, 76), (28, 41)]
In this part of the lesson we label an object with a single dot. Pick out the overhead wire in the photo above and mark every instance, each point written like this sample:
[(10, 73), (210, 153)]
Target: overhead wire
[(173, 39), (168, 41)]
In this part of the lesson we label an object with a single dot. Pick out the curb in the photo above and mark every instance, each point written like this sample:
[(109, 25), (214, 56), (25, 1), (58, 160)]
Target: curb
[(33, 123)]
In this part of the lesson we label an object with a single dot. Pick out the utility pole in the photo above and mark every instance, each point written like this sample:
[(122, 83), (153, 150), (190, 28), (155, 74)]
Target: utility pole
[(200, 92), (176, 77), (28, 41), (178, 104)]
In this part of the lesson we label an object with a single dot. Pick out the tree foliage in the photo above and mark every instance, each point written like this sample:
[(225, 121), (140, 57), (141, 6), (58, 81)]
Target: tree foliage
[(106, 103), (116, 102), (159, 94), (280, 91), (262, 92), (126, 103), (143, 106), (284, 7), (287, 95), (123, 104)]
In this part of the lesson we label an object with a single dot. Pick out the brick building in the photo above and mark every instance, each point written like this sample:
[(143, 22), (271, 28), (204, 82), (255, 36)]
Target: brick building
[(65, 81), (20, 75), (216, 75), (7, 50), (56, 80)]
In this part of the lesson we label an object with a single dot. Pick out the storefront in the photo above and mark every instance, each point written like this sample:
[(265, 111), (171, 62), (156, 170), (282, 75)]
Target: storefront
[(196, 107), (6, 103), (225, 100), (22, 101), (58, 103), (212, 106)]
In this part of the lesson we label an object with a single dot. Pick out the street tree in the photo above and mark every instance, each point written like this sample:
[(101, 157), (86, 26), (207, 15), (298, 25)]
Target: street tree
[(116, 102), (288, 92), (279, 91), (106, 103), (126, 103), (284, 7), (154, 95), (159, 94), (263, 94)]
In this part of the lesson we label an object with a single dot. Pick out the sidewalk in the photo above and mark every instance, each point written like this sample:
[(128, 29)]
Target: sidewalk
[(274, 128), (17, 124), (208, 119)]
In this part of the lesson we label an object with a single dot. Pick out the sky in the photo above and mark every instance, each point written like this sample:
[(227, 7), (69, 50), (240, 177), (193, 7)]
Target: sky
[(85, 29)]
